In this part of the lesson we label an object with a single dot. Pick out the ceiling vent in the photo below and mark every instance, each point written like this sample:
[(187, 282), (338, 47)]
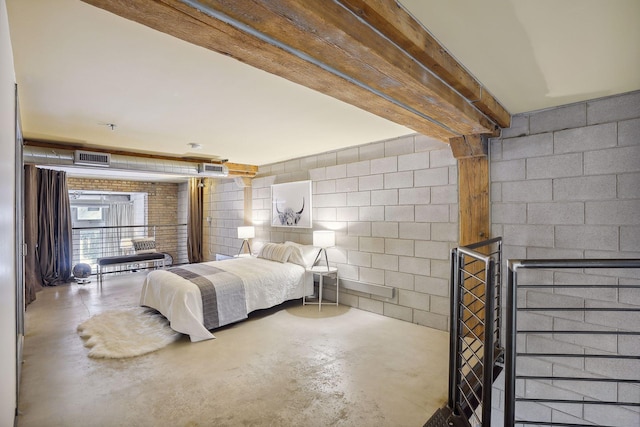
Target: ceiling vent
[(212, 169), (90, 158)]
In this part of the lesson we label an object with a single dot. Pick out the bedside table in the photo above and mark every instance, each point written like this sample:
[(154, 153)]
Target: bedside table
[(322, 272)]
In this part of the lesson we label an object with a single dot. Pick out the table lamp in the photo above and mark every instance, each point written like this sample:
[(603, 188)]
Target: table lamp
[(246, 232), (324, 239)]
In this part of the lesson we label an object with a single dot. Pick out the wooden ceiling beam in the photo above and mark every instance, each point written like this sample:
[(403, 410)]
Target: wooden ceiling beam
[(175, 18), (394, 22), (323, 45), (241, 170)]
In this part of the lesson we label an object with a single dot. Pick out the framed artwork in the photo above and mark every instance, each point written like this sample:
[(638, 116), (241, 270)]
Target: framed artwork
[(291, 204)]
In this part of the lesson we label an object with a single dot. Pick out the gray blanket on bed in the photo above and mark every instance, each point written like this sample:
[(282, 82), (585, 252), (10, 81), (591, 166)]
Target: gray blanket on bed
[(223, 297)]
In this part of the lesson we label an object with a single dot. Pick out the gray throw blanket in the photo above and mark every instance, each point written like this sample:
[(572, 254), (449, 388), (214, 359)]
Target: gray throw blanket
[(223, 298)]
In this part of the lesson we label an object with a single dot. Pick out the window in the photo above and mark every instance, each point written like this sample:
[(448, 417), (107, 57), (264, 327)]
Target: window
[(89, 213)]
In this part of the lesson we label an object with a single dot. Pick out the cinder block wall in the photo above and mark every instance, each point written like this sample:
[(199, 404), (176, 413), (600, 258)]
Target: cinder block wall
[(394, 206), (224, 209), (565, 183)]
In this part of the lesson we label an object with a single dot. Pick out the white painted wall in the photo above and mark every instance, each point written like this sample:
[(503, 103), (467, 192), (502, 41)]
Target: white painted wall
[(7, 227)]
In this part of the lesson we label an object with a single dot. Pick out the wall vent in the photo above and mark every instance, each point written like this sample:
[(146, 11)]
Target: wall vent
[(90, 158), (212, 169)]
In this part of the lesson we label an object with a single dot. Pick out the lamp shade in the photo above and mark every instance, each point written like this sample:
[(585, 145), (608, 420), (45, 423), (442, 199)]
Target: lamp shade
[(324, 238), (246, 232)]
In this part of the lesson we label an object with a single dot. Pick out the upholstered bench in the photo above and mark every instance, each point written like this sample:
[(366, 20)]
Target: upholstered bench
[(127, 259)]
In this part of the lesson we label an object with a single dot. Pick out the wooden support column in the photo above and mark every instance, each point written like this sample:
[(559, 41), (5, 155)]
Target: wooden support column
[(473, 198), (473, 187)]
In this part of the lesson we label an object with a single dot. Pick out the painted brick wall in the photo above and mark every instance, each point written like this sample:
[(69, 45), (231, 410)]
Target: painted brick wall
[(394, 207), (565, 183)]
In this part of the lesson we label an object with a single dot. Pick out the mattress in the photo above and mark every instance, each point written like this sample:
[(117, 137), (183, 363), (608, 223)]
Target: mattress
[(266, 284)]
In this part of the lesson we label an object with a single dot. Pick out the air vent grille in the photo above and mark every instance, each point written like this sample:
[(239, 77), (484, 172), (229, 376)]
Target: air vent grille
[(90, 158), (213, 169)]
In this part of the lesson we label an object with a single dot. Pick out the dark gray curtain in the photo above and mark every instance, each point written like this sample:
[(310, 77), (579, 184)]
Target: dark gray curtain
[(194, 220), (54, 227), (32, 276)]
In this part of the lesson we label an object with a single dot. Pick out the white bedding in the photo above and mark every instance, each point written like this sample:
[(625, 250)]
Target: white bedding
[(267, 283)]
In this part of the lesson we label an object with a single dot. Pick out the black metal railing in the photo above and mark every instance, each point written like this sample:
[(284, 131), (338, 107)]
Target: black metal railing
[(475, 339), (91, 243), (565, 363)]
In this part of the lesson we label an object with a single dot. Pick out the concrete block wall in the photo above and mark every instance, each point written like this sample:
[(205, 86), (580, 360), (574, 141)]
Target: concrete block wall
[(565, 183), (394, 207), (223, 213)]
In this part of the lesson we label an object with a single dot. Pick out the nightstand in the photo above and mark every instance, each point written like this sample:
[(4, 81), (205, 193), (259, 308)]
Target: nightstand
[(322, 272)]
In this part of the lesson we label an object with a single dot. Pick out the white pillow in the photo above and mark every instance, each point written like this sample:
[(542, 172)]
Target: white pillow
[(144, 245), (303, 255), (296, 256), (275, 252)]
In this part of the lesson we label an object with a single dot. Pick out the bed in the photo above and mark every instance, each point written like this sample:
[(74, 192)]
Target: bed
[(196, 298)]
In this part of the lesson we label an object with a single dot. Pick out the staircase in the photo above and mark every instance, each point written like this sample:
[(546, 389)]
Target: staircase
[(570, 359)]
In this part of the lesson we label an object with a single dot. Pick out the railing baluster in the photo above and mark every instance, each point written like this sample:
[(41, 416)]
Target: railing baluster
[(91, 243), (510, 348), (512, 353), (453, 336), (475, 318)]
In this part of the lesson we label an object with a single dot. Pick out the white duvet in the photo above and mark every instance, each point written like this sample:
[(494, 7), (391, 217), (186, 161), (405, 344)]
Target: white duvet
[(267, 283)]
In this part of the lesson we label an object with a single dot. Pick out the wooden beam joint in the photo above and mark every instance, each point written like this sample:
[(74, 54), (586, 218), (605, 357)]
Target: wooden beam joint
[(469, 146)]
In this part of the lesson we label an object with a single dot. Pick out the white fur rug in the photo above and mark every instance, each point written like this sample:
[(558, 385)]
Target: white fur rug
[(126, 333)]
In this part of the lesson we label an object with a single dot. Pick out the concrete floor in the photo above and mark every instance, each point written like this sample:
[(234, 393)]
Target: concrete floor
[(288, 366)]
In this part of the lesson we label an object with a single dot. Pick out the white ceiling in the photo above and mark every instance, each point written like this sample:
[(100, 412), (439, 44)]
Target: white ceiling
[(79, 68), (535, 54)]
